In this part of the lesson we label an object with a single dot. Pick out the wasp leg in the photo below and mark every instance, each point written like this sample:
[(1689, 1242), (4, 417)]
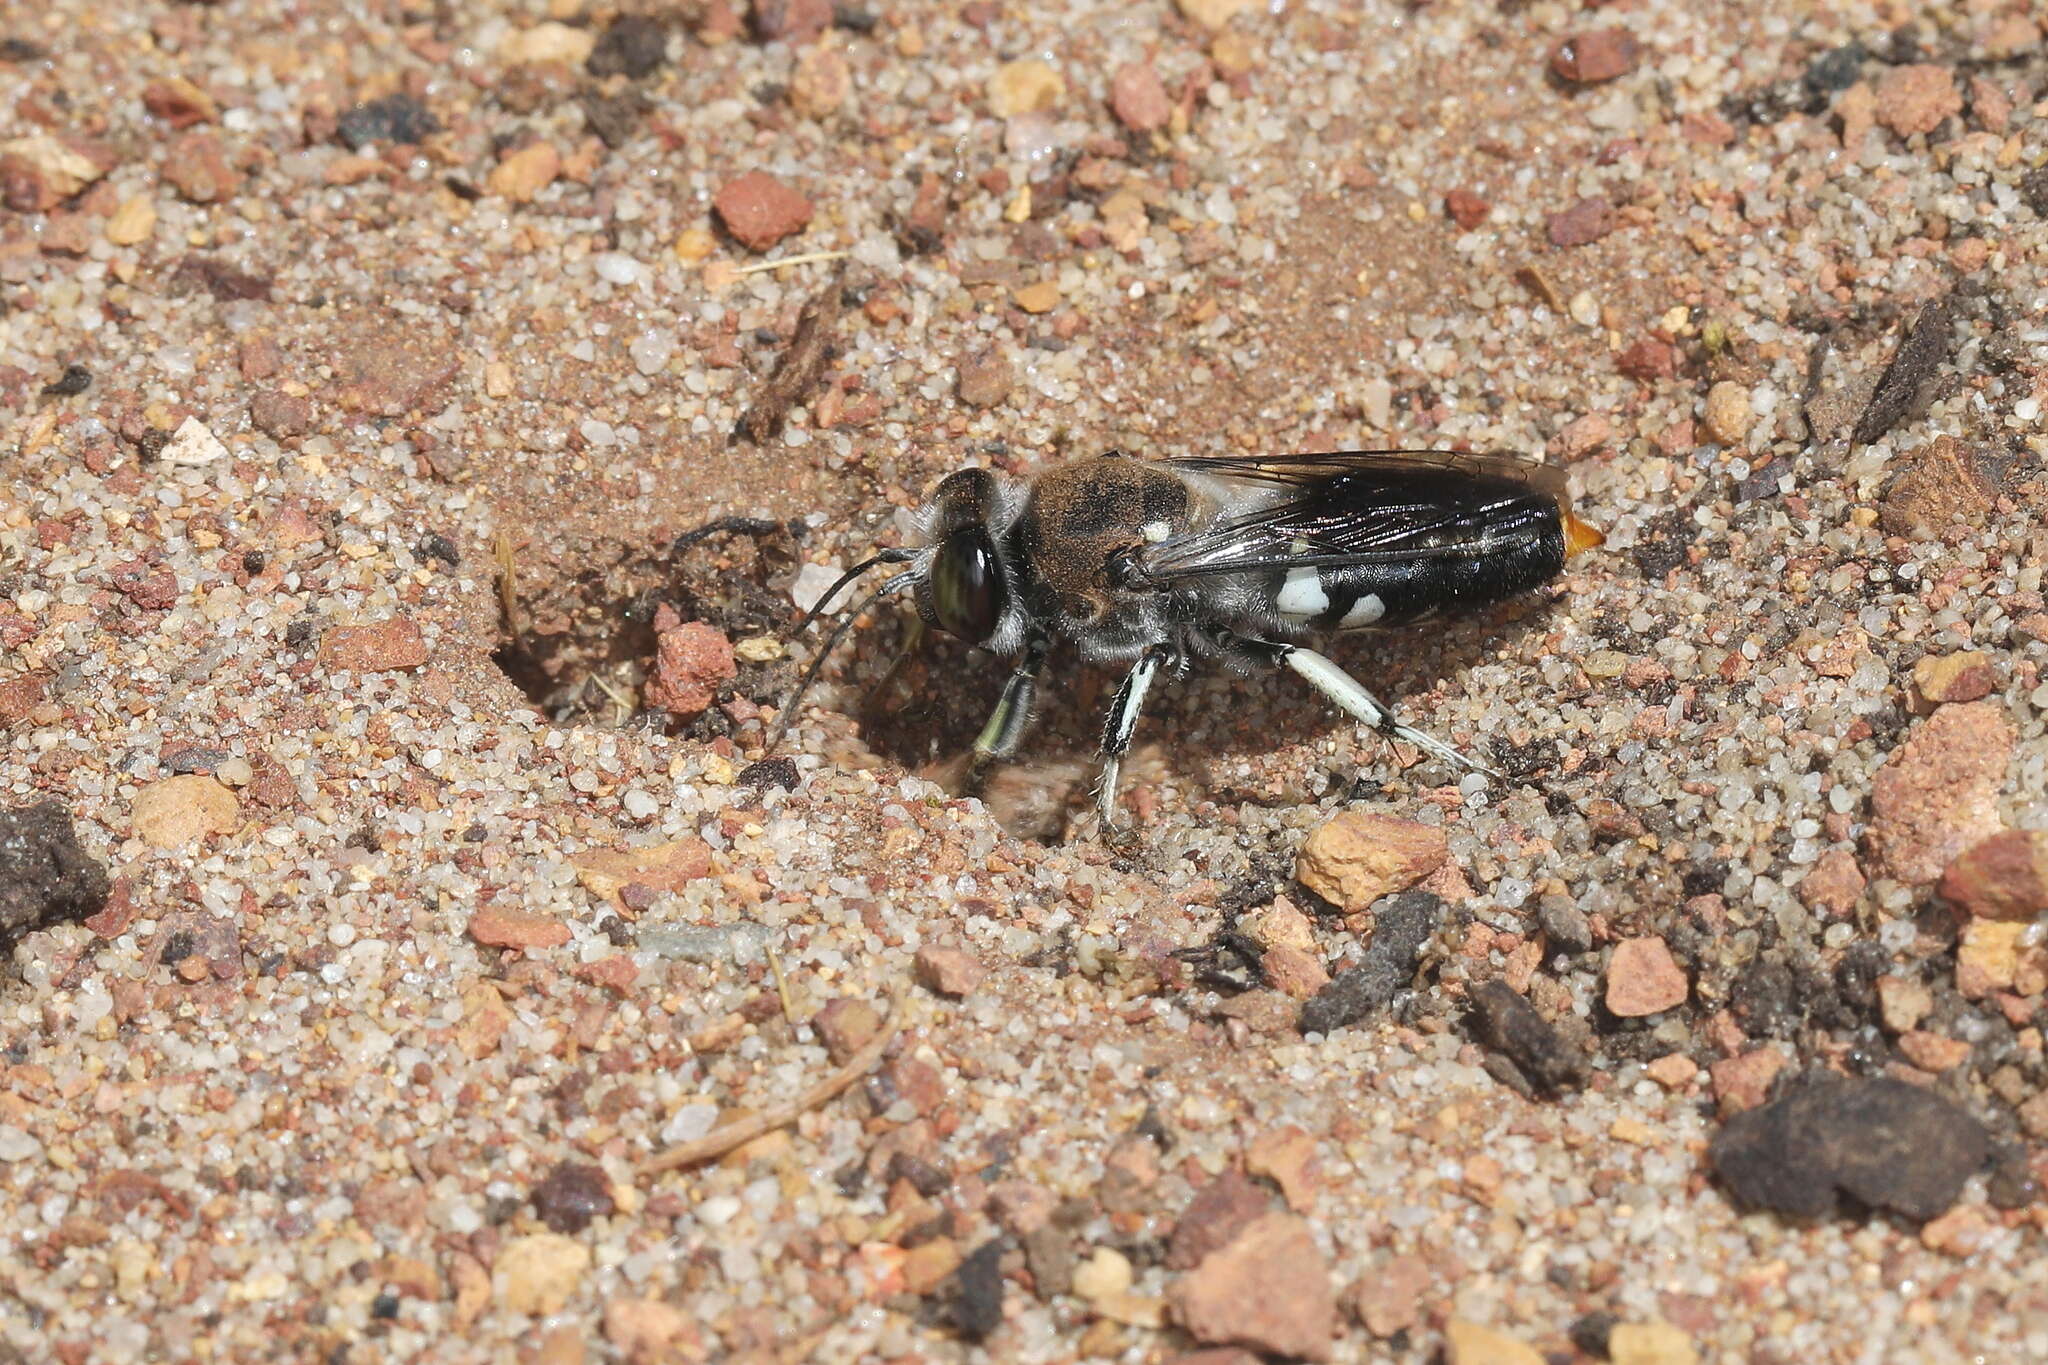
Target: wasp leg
[(1121, 721), (1006, 725), (1350, 695)]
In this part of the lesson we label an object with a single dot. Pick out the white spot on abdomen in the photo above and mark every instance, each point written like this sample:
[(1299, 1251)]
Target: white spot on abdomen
[(1364, 612), (1302, 594), (1156, 531)]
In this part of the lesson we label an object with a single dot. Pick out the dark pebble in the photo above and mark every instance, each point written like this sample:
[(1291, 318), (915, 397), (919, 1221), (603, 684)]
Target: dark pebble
[(192, 759), (2034, 189), (634, 46), (434, 545), (1590, 1333), (572, 1194), (1883, 1143), (1407, 922), (2013, 1184), (384, 1307), (221, 280), (1836, 70), (1921, 352), (75, 379), (977, 1291), (1761, 483), (1049, 1256), (1564, 925), (926, 1178), (770, 772), (394, 118), (614, 118), (46, 877), (1503, 1021)]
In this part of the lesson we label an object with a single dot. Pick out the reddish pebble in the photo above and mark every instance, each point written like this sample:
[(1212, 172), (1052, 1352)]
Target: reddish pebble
[(22, 695), (1963, 676), (197, 167), (615, 973), (1834, 884), (1268, 1290), (1138, 98), (691, 661), (1643, 978), (1219, 1211), (178, 102), (1933, 1051), (385, 647), (1590, 58), (150, 589), (1466, 208), (1582, 437), (1745, 1082), (502, 927), (1706, 130), (1390, 1299), (759, 210), (1915, 99), (845, 1025), (949, 971), (796, 21), (1648, 359), (1937, 794), (1586, 221), (2003, 877), (1293, 972), (280, 414)]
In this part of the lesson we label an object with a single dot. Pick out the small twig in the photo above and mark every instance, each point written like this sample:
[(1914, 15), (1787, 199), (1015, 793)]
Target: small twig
[(619, 699), (781, 982), (505, 553), (719, 1141), (806, 258)]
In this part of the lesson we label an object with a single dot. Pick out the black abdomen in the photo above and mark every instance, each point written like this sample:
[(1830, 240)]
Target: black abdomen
[(1522, 546)]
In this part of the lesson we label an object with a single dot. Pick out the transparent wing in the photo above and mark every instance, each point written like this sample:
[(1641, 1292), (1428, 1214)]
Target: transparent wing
[(1359, 507)]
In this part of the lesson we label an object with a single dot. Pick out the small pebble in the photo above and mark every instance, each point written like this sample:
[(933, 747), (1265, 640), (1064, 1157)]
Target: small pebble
[(1600, 55), (1138, 98), (1355, 858), (1727, 415), (1644, 979), (760, 210), (1916, 98), (1024, 86)]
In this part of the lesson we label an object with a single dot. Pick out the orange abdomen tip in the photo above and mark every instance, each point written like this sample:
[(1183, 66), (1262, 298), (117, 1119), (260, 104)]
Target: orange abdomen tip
[(1580, 537)]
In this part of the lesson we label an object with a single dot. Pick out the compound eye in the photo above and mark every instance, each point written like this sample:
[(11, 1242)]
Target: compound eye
[(968, 593)]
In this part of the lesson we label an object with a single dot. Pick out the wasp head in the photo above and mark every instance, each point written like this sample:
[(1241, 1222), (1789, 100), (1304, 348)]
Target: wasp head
[(962, 587)]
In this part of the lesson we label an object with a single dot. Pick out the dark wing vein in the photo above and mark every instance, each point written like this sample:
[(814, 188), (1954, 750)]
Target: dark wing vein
[(1308, 469)]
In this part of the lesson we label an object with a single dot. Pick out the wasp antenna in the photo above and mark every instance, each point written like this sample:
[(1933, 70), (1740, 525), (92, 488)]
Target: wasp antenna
[(894, 584), (824, 602)]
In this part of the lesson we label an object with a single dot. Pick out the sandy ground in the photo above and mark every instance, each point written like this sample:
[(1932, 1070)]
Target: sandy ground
[(360, 366)]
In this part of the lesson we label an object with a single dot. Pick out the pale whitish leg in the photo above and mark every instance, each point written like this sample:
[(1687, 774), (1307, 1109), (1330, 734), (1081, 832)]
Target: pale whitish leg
[(1122, 720), (1005, 729), (1345, 690)]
